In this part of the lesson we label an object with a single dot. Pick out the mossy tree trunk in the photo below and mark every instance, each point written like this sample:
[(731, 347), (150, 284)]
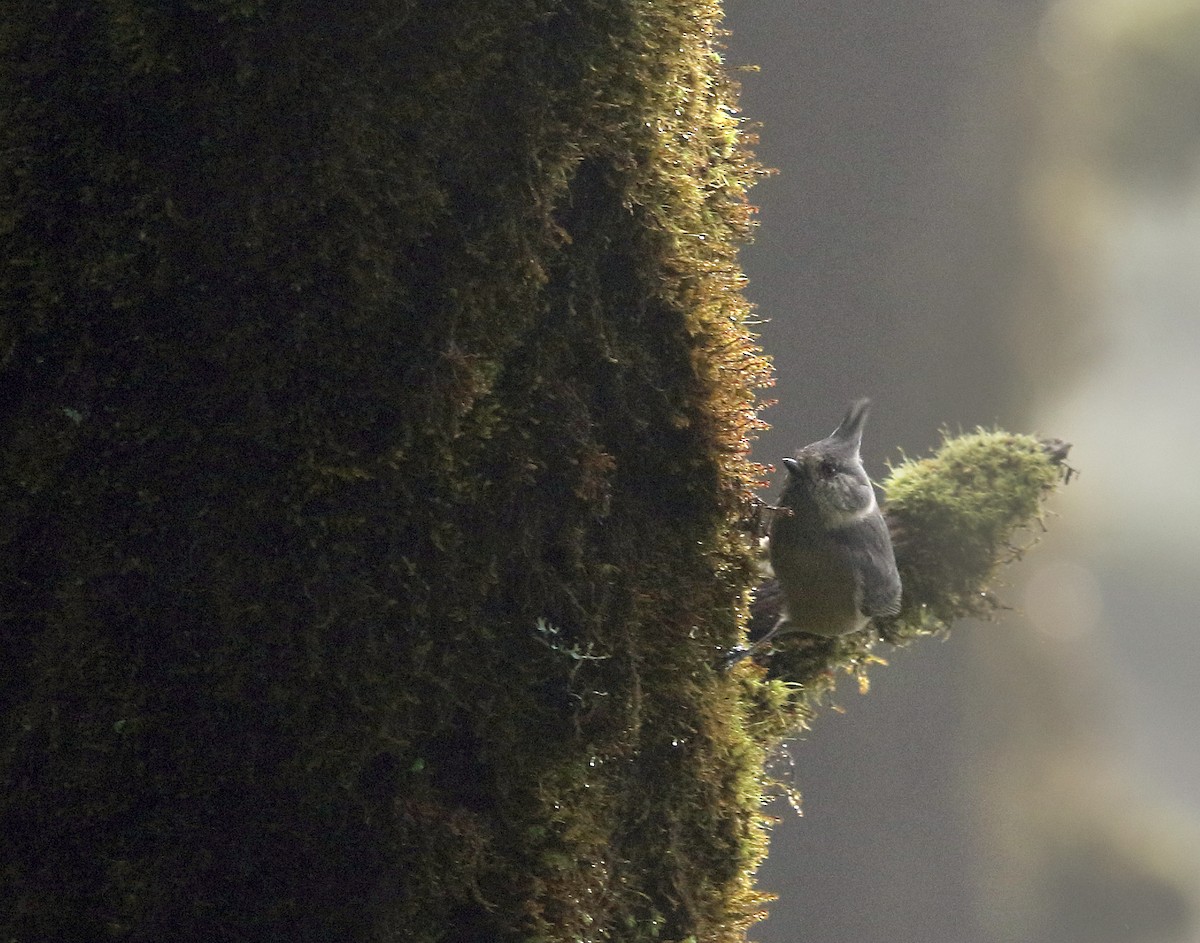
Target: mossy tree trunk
[(373, 397)]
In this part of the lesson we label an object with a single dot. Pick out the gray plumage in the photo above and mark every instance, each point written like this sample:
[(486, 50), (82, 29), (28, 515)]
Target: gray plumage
[(829, 544)]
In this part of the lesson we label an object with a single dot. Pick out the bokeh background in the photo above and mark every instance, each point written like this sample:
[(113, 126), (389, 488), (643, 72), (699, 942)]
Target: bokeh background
[(988, 211)]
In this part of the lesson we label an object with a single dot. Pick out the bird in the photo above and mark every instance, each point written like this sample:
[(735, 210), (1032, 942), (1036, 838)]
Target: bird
[(829, 543)]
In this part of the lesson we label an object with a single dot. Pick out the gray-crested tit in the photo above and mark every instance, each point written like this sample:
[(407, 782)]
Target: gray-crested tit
[(829, 544)]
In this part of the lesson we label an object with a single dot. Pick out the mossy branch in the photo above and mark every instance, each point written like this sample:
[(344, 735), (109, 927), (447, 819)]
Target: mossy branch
[(956, 518)]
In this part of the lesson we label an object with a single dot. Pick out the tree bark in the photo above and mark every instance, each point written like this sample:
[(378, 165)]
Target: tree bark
[(374, 393)]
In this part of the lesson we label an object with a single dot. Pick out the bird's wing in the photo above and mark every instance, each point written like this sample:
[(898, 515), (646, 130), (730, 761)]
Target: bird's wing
[(877, 584)]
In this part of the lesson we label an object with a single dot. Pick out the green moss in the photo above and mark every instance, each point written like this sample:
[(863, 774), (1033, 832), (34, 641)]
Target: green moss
[(346, 353), (956, 516)]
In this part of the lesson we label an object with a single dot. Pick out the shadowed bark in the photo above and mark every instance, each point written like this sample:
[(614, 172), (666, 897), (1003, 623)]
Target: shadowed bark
[(374, 399)]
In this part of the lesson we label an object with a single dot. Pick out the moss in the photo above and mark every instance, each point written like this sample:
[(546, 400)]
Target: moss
[(375, 394), (956, 517)]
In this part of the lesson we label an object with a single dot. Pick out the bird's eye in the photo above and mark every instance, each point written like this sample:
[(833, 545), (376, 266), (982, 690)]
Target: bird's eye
[(826, 469)]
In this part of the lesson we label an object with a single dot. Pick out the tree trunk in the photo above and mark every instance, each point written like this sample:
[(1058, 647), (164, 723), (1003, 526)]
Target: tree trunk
[(374, 392)]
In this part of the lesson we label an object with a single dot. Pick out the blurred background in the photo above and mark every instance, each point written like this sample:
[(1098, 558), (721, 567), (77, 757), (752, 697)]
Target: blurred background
[(988, 212)]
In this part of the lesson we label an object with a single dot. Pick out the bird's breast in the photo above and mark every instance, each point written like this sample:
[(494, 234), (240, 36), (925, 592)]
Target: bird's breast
[(818, 586)]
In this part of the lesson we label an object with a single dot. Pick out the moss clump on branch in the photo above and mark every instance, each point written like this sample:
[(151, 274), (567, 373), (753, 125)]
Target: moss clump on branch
[(955, 519)]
